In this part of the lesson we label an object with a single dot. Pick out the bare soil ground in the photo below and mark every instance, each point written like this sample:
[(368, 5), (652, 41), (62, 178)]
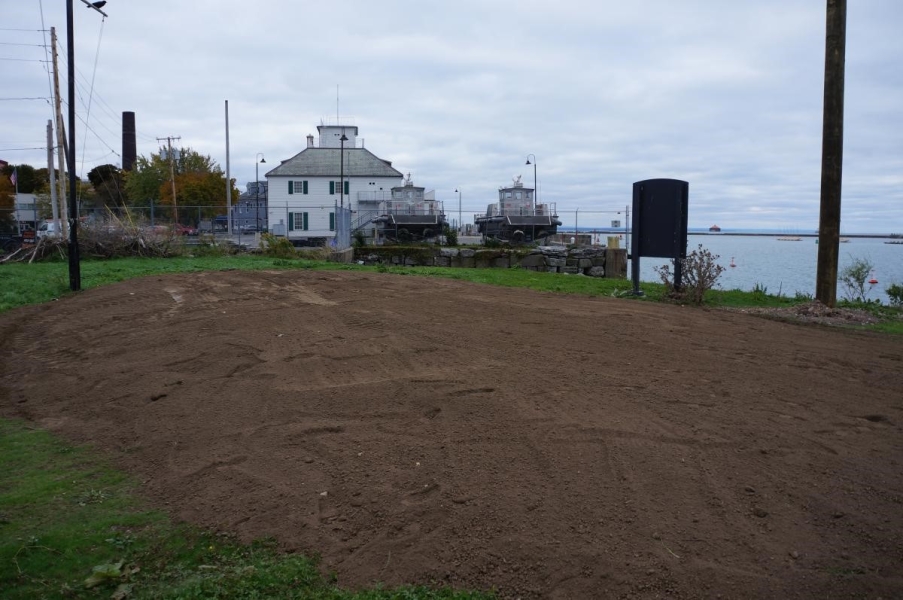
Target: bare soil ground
[(416, 430)]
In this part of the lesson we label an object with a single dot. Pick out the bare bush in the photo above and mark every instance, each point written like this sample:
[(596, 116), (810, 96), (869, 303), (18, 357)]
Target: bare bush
[(699, 273)]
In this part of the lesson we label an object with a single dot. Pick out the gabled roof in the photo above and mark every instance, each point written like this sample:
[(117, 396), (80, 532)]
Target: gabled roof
[(324, 162)]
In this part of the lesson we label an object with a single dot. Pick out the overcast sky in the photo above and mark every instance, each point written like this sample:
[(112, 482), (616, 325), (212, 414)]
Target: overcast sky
[(725, 95)]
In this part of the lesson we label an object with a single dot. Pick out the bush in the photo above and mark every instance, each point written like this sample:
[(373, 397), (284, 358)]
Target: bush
[(359, 240), (895, 293), (854, 279), (451, 236), (277, 247), (700, 272)]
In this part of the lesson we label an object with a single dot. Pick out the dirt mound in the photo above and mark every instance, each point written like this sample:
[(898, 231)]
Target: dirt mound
[(426, 430)]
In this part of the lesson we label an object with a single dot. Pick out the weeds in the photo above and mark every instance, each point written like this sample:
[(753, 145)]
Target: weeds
[(277, 247), (759, 291)]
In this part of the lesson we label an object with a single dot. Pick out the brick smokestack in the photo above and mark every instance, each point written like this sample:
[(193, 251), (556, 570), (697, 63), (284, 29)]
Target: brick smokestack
[(129, 148)]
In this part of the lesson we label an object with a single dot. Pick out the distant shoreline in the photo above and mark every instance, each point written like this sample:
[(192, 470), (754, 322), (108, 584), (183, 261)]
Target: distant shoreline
[(890, 236)]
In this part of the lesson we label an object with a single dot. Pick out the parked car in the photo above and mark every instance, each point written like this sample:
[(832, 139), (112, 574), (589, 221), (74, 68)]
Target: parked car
[(49, 229), (248, 229), (185, 229)]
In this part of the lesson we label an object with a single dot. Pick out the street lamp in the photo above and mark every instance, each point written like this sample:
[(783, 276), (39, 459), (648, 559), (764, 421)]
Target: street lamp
[(257, 185), (75, 272), (342, 139), (460, 222), (535, 190)]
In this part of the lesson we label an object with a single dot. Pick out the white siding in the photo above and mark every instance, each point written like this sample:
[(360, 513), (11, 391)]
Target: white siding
[(318, 202)]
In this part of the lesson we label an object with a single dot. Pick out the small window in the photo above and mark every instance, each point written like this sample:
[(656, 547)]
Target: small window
[(517, 195), (507, 194)]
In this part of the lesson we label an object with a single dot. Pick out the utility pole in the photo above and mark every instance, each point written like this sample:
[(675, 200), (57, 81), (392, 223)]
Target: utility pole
[(60, 135), (172, 177), (54, 208), (831, 154)]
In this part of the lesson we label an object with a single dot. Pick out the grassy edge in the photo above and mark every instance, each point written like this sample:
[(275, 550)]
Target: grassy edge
[(49, 281), (71, 526)]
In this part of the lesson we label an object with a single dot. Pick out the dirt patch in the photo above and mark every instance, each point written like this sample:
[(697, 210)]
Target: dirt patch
[(424, 430), (815, 312)]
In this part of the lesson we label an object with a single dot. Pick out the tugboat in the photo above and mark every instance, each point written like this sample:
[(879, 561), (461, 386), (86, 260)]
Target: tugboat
[(714, 229), (412, 215), (516, 218)]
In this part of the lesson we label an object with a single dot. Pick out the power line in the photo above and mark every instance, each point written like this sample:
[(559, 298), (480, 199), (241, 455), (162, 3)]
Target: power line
[(31, 98), (6, 29), (22, 59), (18, 44)]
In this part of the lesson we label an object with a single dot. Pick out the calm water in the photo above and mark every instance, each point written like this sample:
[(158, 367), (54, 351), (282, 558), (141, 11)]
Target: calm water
[(788, 267)]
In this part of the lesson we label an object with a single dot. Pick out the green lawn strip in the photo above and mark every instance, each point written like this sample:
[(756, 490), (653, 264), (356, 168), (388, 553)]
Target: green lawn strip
[(72, 527), (23, 284)]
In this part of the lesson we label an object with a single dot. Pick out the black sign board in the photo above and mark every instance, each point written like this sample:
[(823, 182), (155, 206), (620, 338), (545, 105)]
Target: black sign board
[(659, 224)]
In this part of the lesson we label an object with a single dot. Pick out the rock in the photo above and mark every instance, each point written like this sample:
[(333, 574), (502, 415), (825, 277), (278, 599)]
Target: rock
[(794, 555), (596, 272), (656, 536), (760, 512), (467, 253)]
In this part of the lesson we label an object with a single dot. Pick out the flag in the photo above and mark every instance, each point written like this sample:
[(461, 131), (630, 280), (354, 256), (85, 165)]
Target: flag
[(13, 178)]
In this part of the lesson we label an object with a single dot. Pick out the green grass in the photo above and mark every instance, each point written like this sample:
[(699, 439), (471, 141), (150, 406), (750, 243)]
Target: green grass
[(24, 284), (72, 527)]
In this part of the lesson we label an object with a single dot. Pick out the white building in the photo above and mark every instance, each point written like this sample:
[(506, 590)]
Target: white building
[(26, 211), (304, 191)]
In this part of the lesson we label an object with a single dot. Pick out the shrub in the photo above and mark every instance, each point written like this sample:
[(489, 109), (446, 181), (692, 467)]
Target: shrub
[(895, 294), (277, 247), (359, 240), (700, 272), (854, 278), (451, 236)]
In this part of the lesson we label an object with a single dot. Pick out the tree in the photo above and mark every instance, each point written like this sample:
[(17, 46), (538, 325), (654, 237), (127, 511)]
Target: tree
[(199, 181), (109, 185), (7, 205), (26, 175)]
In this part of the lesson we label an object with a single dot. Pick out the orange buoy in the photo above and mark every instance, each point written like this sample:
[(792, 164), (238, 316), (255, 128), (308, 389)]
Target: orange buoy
[(874, 279), (732, 262)]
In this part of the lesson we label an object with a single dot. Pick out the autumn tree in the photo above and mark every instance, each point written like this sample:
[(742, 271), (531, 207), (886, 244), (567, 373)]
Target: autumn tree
[(199, 182)]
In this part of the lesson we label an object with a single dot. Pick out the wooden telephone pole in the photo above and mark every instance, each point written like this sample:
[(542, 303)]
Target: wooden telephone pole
[(831, 154), (60, 138), (172, 177)]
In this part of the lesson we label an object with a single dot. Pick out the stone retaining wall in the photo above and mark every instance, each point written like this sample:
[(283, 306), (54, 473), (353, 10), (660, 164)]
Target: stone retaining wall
[(591, 261)]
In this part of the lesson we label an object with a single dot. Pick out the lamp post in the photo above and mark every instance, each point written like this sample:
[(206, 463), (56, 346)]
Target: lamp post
[(535, 189), (75, 275), (342, 139), (460, 222), (257, 185)]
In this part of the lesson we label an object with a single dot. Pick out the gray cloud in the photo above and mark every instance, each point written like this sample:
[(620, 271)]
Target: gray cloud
[(726, 95)]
